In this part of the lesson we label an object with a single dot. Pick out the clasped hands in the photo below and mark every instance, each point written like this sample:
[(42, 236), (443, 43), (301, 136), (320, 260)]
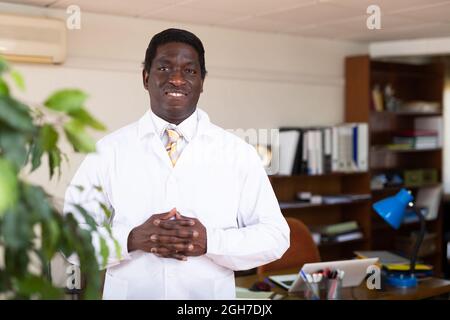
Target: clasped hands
[(169, 235)]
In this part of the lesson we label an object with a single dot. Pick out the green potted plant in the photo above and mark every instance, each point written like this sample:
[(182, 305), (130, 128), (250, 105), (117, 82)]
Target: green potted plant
[(32, 230)]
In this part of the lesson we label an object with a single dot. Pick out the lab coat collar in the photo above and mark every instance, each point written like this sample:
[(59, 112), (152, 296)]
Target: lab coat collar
[(187, 128), (146, 127)]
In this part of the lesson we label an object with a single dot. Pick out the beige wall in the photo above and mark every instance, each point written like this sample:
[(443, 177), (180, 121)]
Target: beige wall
[(255, 80)]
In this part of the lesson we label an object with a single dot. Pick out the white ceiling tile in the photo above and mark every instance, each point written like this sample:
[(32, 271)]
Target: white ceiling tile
[(355, 29), (386, 6), (359, 24), (40, 3), (182, 13), (432, 13), (372, 37), (335, 19), (313, 14), (433, 31), (259, 24), (428, 30), (318, 31), (246, 7), (116, 7)]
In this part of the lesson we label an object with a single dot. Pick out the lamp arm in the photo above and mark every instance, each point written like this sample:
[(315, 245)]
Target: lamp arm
[(418, 241)]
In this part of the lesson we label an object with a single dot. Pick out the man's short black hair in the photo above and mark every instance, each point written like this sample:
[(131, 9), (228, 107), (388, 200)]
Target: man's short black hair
[(175, 35)]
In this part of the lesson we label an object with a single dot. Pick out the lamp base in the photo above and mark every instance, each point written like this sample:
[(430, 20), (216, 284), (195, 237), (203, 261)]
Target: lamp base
[(402, 280)]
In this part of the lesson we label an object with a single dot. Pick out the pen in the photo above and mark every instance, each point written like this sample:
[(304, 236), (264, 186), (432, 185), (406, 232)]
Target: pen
[(338, 275), (333, 274), (317, 277)]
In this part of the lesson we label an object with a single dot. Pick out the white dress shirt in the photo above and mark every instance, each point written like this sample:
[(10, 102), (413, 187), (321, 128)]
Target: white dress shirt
[(186, 129), (218, 179)]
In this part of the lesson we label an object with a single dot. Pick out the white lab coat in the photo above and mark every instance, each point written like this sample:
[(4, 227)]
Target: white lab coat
[(218, 179)]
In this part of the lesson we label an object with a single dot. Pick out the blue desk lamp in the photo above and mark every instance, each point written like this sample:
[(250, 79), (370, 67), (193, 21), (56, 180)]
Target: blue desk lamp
[(392, 210)]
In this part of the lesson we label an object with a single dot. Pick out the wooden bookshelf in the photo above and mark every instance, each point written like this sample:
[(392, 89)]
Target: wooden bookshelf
[(404, 114), (394, 189), (287, 187), (291, 205), (411, 83), (384, 149)]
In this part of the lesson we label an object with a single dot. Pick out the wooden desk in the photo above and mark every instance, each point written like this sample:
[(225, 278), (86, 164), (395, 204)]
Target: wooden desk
[(427, 288)]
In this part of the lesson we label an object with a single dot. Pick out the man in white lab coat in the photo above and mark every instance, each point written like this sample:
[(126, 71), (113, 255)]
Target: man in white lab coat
[(191, 202)]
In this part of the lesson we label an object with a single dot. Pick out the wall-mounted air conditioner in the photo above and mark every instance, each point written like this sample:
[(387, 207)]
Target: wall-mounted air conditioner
[(32, 39)]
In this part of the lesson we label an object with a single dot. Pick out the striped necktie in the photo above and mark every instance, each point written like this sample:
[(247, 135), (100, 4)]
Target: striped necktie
[(171, 146)]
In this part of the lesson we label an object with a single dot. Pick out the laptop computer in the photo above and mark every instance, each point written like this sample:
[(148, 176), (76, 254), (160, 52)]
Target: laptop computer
[(355, 272)]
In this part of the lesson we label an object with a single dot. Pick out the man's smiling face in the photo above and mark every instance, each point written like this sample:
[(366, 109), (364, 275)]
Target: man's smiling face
[(174, 81)]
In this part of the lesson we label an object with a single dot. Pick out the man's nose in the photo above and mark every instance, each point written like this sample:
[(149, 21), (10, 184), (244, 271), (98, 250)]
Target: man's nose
[(176, 78)]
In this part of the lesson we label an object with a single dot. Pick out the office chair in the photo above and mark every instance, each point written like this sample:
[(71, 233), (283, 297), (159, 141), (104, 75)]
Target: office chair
[(302, 249)]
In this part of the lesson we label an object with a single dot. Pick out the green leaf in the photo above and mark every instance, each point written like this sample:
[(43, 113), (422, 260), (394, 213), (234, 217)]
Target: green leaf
[(67, 100), (50, 235), (104, 252), (54, 161), (37, 201), (18, 79), (36, 154), (4, 279), (67, 235), (79, 187), (17, 229), (37, 286), (15, 114), (18, 259), (87, 119), (4, 88), (48, 140), (117, 247), (54, 231), (107, 212), (48, 137), (13, 147), (8, 186), (87, 217), (78, 137)]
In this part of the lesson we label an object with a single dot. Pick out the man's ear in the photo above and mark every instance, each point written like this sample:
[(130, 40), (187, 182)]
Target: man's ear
[(145, 79), (201, 88)]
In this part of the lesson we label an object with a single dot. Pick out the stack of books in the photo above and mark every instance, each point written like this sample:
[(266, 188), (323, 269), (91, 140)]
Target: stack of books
[(321, 150), (344, 198), (421, 106), (340, 232), (417, 139), (309, 197), (392, 263)]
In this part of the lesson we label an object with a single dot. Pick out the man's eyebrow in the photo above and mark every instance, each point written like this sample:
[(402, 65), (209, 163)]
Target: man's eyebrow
[(187, 62), (162, 60)]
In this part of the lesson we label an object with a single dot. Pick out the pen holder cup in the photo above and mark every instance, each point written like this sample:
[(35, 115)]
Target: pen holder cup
[(315, 291), (333, 289)]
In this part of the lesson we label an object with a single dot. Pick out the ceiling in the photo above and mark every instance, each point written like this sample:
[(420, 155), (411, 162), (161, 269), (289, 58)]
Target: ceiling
[(333, 19)]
